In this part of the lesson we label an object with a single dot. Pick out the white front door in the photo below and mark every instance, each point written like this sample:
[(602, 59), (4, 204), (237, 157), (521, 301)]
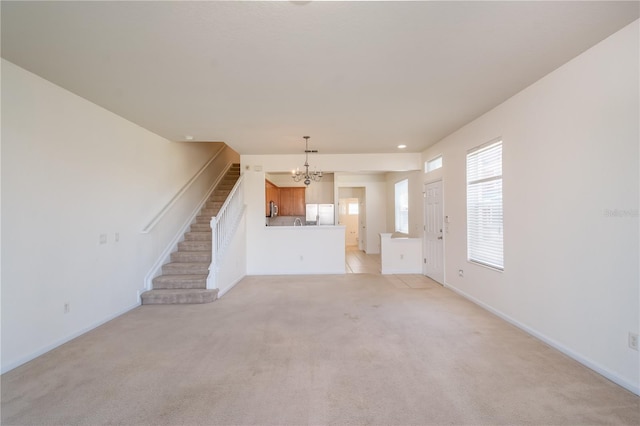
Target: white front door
[(433, 261)]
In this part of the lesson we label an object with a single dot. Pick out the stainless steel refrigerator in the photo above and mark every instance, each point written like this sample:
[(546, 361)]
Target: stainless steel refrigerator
[(320, 214)]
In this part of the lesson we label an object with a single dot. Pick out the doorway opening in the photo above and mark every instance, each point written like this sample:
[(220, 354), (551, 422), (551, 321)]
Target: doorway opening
[(349, 217), (352, 214)]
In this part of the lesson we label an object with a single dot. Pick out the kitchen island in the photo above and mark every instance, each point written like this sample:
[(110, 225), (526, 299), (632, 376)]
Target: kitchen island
[(302, 250)]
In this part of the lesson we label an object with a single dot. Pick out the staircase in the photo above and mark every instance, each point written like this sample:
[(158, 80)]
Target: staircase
[(184, 278)]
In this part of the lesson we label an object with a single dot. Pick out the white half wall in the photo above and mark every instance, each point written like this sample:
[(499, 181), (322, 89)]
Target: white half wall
[(571, 198), (274, 250), (401, 255), (78, 185)]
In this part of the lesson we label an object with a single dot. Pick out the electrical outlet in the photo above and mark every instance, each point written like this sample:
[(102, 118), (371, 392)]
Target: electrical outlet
[(103, 238), (117, 237), (67, 308), (460, 273), (633, 341), (401, 256)]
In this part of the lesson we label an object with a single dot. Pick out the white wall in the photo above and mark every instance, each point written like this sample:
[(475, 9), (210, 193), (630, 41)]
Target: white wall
[(570, 157), (72, 171), (335, 162)]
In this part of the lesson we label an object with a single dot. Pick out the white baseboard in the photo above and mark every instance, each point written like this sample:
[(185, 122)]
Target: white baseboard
[(64, 340), (223, 291), (603, 371)]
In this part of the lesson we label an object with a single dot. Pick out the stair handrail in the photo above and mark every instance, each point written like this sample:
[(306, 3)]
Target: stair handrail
[(223, 226), (181, 191)]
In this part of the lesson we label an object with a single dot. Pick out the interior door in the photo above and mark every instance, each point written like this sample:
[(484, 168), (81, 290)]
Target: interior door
[(433, 262), (349, 218)]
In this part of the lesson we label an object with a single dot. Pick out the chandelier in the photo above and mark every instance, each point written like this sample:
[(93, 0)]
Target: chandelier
[(305, 175)]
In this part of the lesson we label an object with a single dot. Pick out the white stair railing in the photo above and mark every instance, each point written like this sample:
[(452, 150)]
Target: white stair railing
[(223, 226)]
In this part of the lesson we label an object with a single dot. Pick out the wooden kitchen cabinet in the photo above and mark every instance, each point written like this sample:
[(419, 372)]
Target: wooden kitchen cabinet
[(292, 201), (272, 193)]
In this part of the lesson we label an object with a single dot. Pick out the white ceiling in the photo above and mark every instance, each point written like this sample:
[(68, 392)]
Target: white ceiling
[(355, 76)]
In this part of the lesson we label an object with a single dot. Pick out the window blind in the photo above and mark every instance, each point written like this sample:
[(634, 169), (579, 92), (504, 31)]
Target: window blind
[(484, 206)]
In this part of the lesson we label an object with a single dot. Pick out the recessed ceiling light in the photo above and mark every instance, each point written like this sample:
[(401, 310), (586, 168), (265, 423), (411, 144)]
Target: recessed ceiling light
[(403, 146), (189, 137)]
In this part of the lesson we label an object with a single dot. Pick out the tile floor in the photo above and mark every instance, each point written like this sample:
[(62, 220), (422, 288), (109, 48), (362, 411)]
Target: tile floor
[(358, 262)]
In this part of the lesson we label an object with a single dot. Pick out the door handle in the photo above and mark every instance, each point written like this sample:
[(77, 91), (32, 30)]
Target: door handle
[(440, 237)]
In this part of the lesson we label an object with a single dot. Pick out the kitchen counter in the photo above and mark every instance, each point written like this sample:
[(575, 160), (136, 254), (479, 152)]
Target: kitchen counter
[(302, 250)]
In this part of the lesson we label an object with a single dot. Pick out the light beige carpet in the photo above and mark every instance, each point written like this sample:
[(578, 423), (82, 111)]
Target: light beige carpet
[(352, 349)]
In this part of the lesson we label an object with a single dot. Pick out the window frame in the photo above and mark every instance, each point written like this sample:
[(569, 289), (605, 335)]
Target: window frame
[(485, 205), (398, 208), (434, 164)]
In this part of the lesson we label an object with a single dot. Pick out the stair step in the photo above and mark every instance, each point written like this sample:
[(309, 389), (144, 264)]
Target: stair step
[(208, 212), (213, 205), (197, 236), (185, 268), (203, 219), (191, 256), (194, 246), (169, 297), (200, 227), (164, 282)]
